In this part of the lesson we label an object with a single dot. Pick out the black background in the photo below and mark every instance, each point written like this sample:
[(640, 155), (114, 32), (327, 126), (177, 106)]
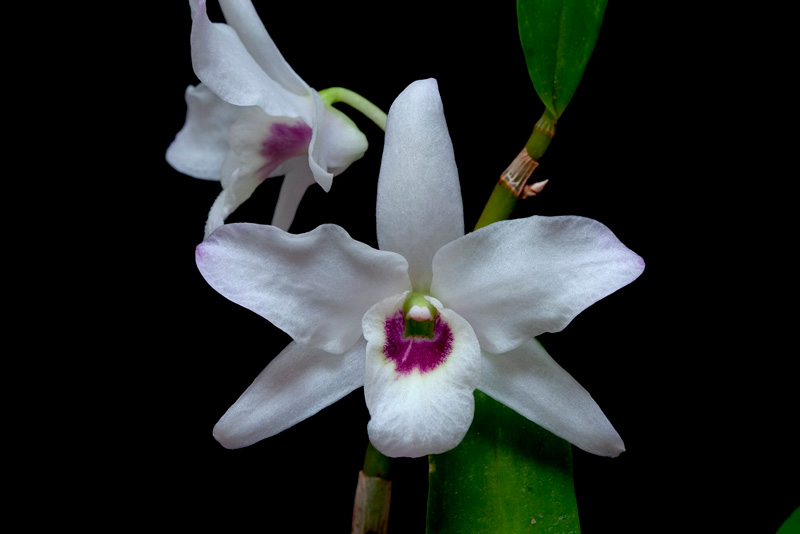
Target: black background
[(682, 361)]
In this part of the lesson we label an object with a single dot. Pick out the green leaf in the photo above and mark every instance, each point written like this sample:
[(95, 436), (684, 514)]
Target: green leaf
[(508, 475), (558, 36), (792, 524)]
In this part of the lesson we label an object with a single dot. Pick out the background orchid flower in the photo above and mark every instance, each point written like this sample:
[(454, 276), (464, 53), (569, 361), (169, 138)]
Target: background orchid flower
[(428, 318), (253, 118)]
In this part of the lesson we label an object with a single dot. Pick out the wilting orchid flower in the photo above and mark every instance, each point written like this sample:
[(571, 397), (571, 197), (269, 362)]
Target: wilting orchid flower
[(428, 318), (253, 117)]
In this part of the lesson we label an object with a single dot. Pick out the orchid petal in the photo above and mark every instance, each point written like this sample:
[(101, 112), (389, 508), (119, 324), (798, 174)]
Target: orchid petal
[(241, 15), (298, 383), (200, 147), (516, 279), (314, 286), (335, 143), (419, 198), (298, 178), (530, 382), (419, 392), (223, 63)]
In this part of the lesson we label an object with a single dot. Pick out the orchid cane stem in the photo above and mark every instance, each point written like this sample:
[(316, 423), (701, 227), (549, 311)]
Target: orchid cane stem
[(373, 494), (376, 464), (357, 102), (504, 197)]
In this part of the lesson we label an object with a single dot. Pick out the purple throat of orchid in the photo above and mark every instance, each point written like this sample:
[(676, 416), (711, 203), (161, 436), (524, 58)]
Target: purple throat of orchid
[(416, 352), (286, 140)]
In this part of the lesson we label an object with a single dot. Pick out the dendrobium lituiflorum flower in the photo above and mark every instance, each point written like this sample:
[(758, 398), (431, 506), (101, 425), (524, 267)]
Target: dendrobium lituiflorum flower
[(253, 118), (428, 318)]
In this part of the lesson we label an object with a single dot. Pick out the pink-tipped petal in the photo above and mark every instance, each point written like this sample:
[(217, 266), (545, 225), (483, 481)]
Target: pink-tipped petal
[(314, 286), (513, 280)]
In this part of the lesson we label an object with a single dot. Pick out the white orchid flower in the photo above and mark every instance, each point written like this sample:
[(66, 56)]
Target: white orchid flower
[(428, 318), (253, 118)]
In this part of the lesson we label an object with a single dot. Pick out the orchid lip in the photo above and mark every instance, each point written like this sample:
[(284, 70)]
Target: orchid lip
[(416, 352), (286, 140)]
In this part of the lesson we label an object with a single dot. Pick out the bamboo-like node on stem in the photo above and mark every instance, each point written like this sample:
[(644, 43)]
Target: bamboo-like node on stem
[(517, 173)]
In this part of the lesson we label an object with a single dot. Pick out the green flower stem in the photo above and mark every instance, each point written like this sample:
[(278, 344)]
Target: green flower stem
[(373, 494), (333, 95), (504, 197)]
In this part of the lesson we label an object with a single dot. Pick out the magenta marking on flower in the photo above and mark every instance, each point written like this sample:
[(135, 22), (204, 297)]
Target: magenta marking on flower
[(409, 353), (286, 141)]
